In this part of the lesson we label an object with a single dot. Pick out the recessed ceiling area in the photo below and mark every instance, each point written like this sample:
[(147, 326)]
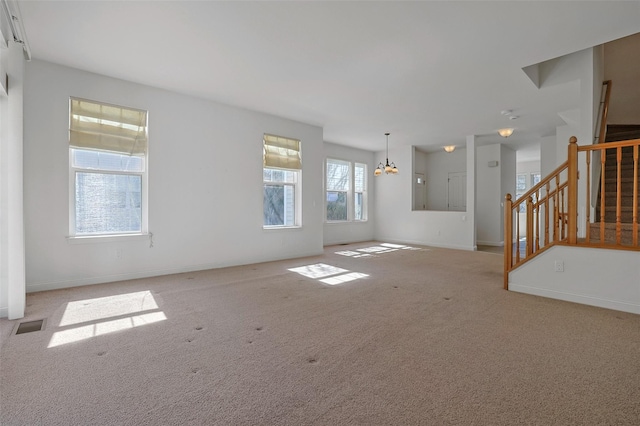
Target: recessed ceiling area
[(430, 73)]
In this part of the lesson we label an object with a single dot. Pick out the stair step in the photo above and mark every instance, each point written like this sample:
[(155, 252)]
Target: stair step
[(626, 233), (613, 168), (626, 186), (626, 197), (622, 136), (621, 132)]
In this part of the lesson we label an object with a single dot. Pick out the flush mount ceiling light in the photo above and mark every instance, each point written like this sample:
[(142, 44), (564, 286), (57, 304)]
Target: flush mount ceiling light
[(505, 133), (387, 168), (449, 148)]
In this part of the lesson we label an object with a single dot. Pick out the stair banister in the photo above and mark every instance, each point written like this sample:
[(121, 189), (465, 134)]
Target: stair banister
[(572, 191)]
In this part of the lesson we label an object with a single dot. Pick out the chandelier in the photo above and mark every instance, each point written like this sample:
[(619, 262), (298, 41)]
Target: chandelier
[(387, 168)]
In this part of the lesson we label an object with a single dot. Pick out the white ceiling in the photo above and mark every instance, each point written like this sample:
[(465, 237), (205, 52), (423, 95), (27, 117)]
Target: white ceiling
[(430, 73)]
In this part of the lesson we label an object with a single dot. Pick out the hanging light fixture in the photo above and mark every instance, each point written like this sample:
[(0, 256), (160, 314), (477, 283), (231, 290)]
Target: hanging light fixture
[(387, 168)]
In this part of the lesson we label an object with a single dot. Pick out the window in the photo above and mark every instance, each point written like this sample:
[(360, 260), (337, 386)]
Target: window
[(535, 178), (338, 186), (282, 167), (346, 191), (359, 187), (108, 173), (521, 182)]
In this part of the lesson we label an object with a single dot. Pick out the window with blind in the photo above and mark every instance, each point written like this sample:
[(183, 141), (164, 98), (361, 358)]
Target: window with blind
[(108, 169), (345, 187), (282, 190)]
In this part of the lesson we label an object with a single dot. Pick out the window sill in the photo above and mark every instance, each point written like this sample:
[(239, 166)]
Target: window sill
[(281, 228), (343, 222), (93, 239)]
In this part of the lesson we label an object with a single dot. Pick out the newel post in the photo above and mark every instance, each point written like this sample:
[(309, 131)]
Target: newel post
[(572, 191), (508, 238)]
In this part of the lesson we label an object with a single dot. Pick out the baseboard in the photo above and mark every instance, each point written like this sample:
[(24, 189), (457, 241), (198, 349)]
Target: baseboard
[(428, 244), (490, 243), (633, 308), (4, 312), (56, 285), (337, 243)]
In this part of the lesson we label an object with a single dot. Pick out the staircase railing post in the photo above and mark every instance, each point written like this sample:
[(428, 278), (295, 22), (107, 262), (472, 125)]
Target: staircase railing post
[(529, 229), (572, 191), (508, 239)]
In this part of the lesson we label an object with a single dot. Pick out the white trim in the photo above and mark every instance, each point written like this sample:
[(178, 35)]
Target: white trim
[(577, 298), (55, 285), (428, 244), (490, 243), (91, 239)]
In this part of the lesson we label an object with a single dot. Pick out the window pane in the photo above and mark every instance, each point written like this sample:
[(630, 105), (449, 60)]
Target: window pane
[(521, 182), (336, 205), (359, 174), (107, 203), (280, 175), (358, 208), (535, 179), (98, 160), (337, 175), (279, 205)]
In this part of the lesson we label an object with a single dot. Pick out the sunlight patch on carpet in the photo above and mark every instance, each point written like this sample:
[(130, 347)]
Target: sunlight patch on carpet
[(77, 334), (107, 307), (375, 250), (353, 254), (328, 274), (319, 270), (344, 278)]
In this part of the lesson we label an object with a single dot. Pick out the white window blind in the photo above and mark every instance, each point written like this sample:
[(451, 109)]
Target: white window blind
[(282, 153), (105, 127)]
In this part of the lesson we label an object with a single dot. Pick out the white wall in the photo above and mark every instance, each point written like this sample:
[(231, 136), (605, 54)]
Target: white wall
[(598, 277), (12, 257), (508, 180), (420, 160), (490, 197), (548, 155), (397, 222), (492, 184), (349, 232), (205, 184)]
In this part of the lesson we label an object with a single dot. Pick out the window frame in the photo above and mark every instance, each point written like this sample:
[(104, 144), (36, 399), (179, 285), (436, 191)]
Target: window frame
[(297, 197), (363, 192), (351, 191), (348, 192), (297, 185), (73, 170)]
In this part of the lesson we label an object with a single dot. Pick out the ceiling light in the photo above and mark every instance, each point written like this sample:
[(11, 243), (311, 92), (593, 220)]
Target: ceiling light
[(387, 168), (449, 148), (505, 133)]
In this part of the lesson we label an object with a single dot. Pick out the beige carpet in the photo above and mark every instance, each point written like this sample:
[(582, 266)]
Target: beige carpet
[(407, 336)]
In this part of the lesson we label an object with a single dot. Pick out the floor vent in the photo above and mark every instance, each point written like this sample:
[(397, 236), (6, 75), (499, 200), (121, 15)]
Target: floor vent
[(29, 326)]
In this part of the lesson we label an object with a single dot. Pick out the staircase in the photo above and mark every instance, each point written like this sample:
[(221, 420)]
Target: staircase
[(617, 133)]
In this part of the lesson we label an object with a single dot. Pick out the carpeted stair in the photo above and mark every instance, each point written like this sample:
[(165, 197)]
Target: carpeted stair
[(617, 133)]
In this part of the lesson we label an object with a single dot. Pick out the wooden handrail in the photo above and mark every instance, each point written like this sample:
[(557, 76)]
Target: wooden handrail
[(605, 112), (550, 208), (540, 184)]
